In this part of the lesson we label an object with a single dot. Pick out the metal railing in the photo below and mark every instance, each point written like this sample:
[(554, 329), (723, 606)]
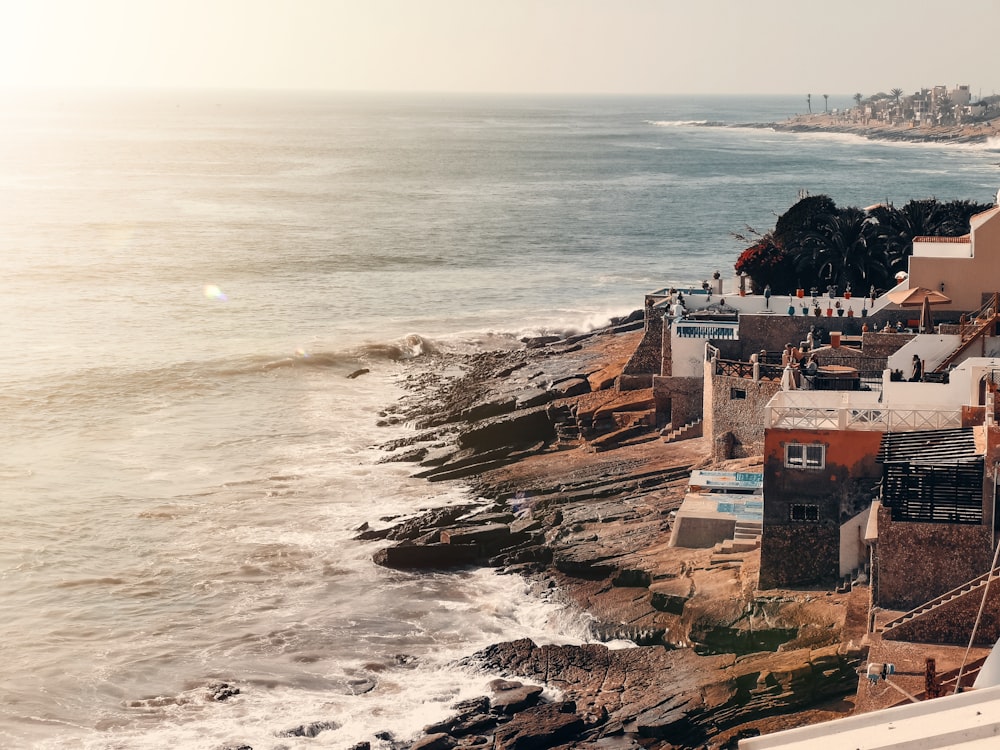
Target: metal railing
[(694, 329)]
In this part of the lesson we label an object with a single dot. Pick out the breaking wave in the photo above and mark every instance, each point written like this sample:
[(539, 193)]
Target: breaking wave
[(677, 123)]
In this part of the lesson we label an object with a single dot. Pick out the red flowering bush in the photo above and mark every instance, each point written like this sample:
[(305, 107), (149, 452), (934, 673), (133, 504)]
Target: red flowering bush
[(767, 263)]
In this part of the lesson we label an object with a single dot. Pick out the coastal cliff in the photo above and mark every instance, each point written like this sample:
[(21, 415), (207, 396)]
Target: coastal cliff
[(575, 490)]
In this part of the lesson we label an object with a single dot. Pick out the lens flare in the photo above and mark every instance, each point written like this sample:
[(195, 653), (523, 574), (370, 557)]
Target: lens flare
[(211, 291)]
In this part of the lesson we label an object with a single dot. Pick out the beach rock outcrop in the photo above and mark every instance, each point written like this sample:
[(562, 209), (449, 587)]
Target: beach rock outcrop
[(676, 696), (548, 725), (576, 491)]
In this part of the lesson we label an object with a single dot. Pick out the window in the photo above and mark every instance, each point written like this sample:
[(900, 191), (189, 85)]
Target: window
[(737, 393), (799, 456), (799, 512)]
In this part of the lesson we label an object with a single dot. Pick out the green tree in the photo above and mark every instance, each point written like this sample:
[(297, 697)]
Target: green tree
[(896, 93), (944, 108), (857, 99), (838, 252), (894, 229), (803, 217), (816, 244)]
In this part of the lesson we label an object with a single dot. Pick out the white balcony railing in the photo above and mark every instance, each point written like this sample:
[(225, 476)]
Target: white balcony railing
[(695, 329), (824, 410)]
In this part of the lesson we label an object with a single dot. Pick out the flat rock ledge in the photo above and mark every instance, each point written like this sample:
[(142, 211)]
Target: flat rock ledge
[(656, 697)]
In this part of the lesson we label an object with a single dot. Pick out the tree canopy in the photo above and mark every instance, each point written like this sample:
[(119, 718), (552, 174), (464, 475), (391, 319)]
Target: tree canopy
[(815, 244)]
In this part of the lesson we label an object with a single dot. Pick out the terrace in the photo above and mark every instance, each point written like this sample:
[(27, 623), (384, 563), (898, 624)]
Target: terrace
[(854, 410)]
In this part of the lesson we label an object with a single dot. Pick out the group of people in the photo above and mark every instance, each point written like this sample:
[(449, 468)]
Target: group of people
[(798, 366)]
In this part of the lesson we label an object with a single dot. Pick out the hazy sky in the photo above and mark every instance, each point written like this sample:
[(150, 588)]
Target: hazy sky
[(558, 46)]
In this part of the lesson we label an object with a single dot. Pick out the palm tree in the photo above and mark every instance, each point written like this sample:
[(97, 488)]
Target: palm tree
[(826, 100), (945, 109), (894, 229), (839, 252), (896, 93), (857, 99), (809, 102)]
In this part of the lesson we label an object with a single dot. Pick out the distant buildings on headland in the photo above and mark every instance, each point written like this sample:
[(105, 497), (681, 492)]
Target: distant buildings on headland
[(933, 107)]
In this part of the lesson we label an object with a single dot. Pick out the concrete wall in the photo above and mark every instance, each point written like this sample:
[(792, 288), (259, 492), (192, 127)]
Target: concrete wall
[(701, 532), (686, 356), (853, 550), (916, 562), (964, 278)]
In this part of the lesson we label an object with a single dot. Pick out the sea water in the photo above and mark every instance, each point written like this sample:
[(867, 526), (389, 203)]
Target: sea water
[(188, 279)]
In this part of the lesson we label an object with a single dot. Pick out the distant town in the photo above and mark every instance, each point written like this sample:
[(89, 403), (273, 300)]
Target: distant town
[(935, 106)]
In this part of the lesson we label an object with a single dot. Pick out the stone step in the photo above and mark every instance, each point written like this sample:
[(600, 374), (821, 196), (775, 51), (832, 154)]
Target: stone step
[(690, 430), (736, 546)]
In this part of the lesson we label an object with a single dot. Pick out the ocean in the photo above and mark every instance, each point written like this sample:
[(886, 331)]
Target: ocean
[(188, 280)]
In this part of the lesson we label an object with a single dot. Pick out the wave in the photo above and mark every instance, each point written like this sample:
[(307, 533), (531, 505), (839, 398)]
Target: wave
[(98, 386), (678, 123)]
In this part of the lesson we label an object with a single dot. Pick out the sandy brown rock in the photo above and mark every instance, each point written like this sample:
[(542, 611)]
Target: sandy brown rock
[(714, 657)]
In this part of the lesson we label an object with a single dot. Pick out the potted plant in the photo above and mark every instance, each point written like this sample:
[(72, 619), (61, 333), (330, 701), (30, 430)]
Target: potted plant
[(850, 312), (847, 292)]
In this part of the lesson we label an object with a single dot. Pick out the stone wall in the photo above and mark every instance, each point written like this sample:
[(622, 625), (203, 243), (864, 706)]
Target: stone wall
[(952, 622), (772, 332), (743, 417), (915, 562), (645, 360), (807, 553), (845, 355), (679, 399), (883, 344)]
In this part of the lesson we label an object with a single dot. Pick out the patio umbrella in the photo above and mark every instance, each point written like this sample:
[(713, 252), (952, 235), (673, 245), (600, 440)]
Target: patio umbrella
[(926, 321), (788, 379), (915, 296)]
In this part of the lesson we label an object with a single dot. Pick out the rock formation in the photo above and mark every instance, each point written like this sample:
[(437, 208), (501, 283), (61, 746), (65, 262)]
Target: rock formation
[(713, 660)]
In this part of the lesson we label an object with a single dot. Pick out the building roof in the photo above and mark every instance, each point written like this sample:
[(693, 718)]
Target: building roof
[(969, 720), (929, 446), (964, 239)]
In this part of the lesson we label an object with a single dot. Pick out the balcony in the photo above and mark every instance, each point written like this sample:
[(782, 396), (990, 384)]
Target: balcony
[(841, 410)]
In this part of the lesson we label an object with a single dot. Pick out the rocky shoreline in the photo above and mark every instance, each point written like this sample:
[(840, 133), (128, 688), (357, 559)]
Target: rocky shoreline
[(581, 504), (972, 133)]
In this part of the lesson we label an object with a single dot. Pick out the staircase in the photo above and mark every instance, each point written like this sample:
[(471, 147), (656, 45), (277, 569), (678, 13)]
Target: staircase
[(972, 331), (746, 538), (847, 581), (976, 584), (692, 429)]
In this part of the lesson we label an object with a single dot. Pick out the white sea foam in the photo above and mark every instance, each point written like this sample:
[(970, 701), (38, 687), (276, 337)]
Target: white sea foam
[(676, 123)]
